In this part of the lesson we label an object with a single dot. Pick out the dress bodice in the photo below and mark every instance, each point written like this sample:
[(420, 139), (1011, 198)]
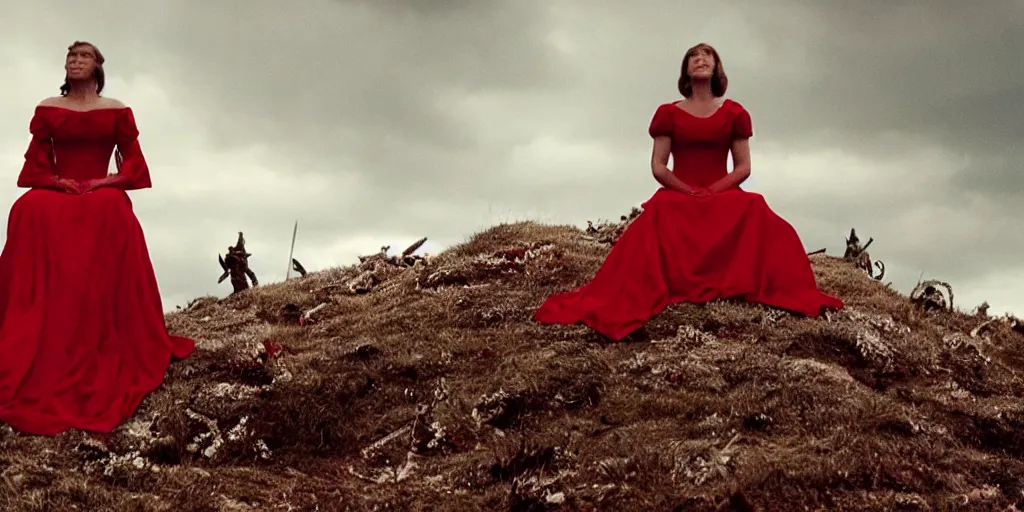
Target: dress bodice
[(78, 145), (700, 145)]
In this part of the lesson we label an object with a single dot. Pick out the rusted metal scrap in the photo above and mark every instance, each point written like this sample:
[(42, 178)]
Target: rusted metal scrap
[(236, 266), (927, 296), (858, 255)]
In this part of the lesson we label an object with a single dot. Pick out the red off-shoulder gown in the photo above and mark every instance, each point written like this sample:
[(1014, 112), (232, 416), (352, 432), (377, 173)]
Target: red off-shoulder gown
[(690, 249), (82, 332)]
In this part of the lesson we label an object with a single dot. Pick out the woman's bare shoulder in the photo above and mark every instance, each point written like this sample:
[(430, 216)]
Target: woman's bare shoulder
[(110, 103), (102, 102), (53, 101)]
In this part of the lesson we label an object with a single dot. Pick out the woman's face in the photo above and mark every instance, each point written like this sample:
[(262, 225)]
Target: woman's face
[(81, 62), (701, 64)]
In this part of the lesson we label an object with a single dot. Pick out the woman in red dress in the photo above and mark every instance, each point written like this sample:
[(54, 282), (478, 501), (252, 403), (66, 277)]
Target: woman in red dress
[(82, 332), (700, 237)]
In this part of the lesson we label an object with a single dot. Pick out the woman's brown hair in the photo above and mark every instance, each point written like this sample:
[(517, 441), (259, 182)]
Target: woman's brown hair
[(98, 74), (719, 82)]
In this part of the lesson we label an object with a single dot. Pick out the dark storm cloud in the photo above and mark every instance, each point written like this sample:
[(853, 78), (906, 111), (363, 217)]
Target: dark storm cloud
[(947, 70), (404, 118), (376, 69)]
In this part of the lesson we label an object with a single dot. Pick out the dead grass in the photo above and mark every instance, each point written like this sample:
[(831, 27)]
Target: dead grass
[(435, 391)]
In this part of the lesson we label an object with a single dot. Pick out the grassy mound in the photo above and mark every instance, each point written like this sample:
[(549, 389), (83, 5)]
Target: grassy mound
[(434, 390)]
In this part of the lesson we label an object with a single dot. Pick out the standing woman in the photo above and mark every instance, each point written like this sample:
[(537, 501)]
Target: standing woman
[(82, 332), (700, 237)]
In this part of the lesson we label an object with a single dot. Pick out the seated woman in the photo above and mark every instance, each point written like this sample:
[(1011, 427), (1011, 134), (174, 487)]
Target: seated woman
[(700, 237), (82, 333)]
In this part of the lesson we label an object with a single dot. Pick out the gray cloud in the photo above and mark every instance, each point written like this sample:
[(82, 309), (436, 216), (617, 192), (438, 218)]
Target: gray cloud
[(378, 122)]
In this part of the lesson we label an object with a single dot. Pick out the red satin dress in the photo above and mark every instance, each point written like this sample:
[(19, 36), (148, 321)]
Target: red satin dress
[(695, 249), (82, 332)]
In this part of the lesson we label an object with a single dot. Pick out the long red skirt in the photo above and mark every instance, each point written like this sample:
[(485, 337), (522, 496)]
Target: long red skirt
[(82, 332), (688, 249)]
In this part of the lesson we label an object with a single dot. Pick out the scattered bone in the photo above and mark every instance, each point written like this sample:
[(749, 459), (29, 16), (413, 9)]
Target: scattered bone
[(405, 259), (307, 317), (690, 334), (1009, 321), (956, 340), (713, 463), (499, 410), (364, 282), (375, 269), (772, 316), (212, 433), (927, 296), (375, 448), (389, 474), (986, 325), (427, 435)]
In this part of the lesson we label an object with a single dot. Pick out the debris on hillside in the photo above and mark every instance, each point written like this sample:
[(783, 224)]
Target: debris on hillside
[(236, 266), (1008, 321), (197, 304), (858, 255), (982, 310), (927, 296), (374, 269), (405, 259), (506, 261), (211, 441), (728, 406), (609, 232), (307, 317), (377, 268), (292, 314)]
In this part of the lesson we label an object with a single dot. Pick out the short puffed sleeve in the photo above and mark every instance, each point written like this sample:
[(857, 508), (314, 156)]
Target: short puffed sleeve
[(661, 123), (742, 126)]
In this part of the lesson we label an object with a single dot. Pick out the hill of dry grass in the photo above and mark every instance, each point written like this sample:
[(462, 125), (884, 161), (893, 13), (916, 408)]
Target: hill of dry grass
[(435, 391)]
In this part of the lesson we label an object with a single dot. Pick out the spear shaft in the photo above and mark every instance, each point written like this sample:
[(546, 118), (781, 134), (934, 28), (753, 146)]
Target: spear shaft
[(291, 251)]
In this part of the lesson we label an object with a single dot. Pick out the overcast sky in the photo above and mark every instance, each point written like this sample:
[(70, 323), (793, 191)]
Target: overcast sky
[(378, 122)]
